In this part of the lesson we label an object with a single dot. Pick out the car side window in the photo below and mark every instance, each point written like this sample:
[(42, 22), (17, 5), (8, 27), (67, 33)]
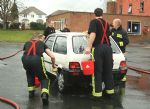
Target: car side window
[(60, 45), (79, 44), (50, 42), (114, 46)]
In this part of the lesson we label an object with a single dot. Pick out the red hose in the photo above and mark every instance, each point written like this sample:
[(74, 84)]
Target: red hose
[(139, 70), (12, 103), (10, 55)]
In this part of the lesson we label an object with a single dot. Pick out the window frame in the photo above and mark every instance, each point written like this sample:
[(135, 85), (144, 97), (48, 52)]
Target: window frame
[(132, 23), (53, 41), (73, 42), (141, 7), (56, 41), (32, 15), (130, 10)]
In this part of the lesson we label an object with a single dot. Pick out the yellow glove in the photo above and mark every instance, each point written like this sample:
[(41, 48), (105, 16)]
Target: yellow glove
[(54, 69)]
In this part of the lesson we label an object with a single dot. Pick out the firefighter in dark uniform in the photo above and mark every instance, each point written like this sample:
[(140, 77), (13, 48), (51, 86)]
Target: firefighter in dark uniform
[(99, 43), (119, 35), (65, 29), (33, 63), (50, 29)]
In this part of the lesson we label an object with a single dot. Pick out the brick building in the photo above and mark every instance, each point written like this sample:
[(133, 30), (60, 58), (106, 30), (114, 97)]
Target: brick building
[(132, 7), (79, 22)]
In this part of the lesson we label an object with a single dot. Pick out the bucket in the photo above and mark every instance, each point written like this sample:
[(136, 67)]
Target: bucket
[(88, 67), (37, 82)]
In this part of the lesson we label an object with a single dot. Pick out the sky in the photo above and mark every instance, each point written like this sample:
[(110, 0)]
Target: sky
[(49, 6)]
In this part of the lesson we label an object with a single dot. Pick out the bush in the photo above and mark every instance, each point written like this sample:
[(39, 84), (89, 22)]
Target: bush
[(14, 26), (37, 26)]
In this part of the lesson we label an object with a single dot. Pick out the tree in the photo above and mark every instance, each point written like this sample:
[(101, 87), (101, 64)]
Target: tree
[(5, 9), (14, 12)]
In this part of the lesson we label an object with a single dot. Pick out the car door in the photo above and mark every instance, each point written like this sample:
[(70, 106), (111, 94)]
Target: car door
[(117, 54), (60, 50), (47, 60)]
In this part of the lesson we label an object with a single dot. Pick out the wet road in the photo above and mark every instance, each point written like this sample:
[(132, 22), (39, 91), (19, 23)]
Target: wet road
[(135, 95)]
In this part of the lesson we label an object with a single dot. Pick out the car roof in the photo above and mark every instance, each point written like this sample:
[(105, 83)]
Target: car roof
[(69, 33)]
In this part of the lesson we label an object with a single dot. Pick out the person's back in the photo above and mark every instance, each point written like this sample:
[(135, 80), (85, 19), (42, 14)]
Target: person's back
[(99, 30), (33, 63), (102, 52)]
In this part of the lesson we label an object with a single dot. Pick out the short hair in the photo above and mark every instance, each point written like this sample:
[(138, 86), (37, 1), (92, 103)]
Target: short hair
[(37, 35), (98, 12)]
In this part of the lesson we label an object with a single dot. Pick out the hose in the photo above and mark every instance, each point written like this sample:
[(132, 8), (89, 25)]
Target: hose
[(12, 103), (11, 55), (138, 70)]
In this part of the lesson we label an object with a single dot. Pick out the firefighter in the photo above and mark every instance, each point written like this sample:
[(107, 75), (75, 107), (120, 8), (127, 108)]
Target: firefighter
[(119, 35), (65, 29), (50, 29), (99, 44), (33, 63)]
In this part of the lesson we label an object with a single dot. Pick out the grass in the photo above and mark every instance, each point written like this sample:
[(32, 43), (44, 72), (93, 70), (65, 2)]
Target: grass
[(16, 35)]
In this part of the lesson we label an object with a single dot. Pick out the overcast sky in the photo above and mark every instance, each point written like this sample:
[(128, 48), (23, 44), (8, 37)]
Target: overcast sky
[(49, 6)]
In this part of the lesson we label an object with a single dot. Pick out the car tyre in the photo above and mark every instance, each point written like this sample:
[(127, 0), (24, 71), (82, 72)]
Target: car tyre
[(61, 82)]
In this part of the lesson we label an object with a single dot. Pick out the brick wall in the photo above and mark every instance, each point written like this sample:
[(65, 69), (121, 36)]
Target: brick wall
[(79, 22), (111, 7), (135, 7)]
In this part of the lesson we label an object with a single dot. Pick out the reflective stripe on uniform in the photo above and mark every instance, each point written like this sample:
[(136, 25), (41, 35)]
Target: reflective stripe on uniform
[(44, 70), (119, 36), (97, 94), (48, 85), (31, 88), (110, 91), (44, 90), (121, 43), (124, 78), (93, 81), (112, 33)]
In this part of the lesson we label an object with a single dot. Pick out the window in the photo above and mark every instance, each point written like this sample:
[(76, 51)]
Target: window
[(142, 7), (25, 15), (60, 45), (114, 46), (32, 16), (130, 9), (120, 10), (134, 27), (50, 42), (79, 44), (40, 16), (62, 22)]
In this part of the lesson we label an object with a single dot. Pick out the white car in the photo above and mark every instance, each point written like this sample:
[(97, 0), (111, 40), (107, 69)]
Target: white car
[(68, 49)]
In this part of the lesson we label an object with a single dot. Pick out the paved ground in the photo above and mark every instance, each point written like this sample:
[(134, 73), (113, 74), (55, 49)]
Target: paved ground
[(136, 94)]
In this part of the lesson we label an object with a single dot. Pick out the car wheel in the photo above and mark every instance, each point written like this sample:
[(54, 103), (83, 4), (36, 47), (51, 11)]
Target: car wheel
[(61, 83)]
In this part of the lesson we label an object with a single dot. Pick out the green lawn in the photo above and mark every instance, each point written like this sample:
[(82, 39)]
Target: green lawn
[(16, 35)]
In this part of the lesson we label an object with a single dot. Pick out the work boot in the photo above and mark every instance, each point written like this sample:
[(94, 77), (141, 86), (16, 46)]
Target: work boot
[(44, 97), (31, 94), (108, 96), (97, 99)]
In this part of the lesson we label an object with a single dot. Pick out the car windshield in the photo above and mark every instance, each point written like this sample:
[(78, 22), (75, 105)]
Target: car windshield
[(79, 44)]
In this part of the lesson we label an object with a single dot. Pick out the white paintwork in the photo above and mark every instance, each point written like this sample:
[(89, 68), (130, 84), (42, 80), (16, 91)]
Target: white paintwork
[(73, 57)]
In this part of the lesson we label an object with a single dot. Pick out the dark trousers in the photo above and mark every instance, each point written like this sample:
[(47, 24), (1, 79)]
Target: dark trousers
[(34, 66), (103, 70)]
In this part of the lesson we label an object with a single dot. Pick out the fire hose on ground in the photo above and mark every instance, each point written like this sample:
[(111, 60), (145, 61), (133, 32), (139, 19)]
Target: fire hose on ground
[(5, 100), (11, 55), (10, 102), (139, 70)]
